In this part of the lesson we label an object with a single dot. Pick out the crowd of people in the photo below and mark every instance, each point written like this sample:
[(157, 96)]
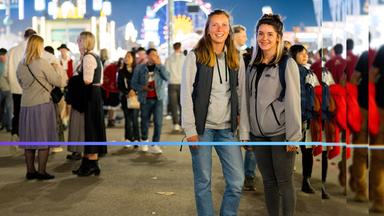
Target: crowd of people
[(220, 91)]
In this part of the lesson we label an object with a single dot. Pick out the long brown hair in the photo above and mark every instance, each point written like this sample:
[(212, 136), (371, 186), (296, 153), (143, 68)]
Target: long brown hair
[(34, 49), (133, 64), (204, 49), (277, 24)]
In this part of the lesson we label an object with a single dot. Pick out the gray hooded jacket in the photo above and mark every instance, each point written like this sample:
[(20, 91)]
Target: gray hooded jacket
[(262, 114)]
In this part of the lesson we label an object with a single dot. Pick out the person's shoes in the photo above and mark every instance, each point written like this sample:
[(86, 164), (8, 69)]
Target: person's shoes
[(307, 186), (352, 182), (377, 208), (44, 176), (249, 183), (155, 149), (91, 169), (360, 197), (168, 117), (56, 149), (13, 149), (176, 128), (84, 164), (74, 156), (128, 146), (31, 175), (144, 148), (324, 193), (342, 174), (15, 138)]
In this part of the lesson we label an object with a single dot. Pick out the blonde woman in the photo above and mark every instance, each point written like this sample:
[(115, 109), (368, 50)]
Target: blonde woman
[(37, 121), (90, 69), (209, 102)]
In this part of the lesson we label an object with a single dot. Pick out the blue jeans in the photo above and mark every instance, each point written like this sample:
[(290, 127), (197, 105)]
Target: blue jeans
[(249, 163), (232, 165), (131, 117), (154, 107)]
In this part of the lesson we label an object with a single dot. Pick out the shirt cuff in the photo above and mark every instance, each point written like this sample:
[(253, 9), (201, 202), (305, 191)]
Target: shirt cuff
[(190, 132), (244, 135)]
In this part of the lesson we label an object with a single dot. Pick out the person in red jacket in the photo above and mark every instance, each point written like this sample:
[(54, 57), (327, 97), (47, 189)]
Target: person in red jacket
[(316, 66), (337, 64), (351, 59), (65, 60), (110, 90), (349, 70)]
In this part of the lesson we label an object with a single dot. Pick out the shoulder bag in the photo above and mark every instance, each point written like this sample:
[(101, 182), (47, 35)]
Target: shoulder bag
[(56, 93)]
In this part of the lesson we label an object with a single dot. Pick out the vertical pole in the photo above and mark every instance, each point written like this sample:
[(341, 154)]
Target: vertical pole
[(8, 14), (171, 9), (21, 9)]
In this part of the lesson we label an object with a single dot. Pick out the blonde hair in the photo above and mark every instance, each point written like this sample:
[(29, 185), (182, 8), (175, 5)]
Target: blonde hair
[(277, 24), (204, 49), (87, 39), (34, 49), (104, 54)]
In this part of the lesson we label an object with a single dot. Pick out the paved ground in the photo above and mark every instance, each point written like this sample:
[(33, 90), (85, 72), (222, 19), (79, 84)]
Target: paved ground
[(132, 183)]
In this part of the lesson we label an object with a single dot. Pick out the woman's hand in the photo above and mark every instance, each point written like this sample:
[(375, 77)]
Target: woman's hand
[(194, 138), (247, 147), (131, 93), (291, 148)]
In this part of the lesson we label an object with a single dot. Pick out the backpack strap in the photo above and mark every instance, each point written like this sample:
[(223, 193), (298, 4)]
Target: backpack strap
[(282, 67), (196, 81)]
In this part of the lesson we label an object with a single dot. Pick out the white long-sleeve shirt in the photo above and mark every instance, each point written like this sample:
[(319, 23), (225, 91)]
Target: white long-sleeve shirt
[(174, 65)]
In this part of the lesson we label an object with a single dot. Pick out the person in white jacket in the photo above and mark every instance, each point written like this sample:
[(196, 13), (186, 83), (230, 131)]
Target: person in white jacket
[(174, 65)]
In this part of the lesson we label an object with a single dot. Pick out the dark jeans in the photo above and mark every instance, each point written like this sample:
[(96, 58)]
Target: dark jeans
[(155, 107), (6, 108), (16, 113), (131, 117), (307, 161), (249, 163), (174, 101), (276, 167)]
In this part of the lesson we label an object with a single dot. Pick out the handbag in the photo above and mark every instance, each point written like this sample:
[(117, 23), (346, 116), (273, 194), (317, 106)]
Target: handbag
[(133, 102), (56, 93)]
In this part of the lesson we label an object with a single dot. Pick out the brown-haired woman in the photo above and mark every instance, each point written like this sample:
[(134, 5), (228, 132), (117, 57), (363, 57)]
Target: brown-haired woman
[(209, 102), (37, 121), (131, 116), (267, 115)]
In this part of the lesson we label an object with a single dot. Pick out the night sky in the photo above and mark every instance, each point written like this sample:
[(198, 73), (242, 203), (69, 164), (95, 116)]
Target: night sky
[(245, 12)]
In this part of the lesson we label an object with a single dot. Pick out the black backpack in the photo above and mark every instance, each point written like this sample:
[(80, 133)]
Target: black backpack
[(307, 97)]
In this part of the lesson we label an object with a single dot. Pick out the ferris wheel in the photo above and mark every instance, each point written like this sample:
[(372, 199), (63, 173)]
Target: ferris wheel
[(189, 16)]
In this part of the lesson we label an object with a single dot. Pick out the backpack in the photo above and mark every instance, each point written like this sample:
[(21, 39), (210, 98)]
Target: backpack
[(307, 94)]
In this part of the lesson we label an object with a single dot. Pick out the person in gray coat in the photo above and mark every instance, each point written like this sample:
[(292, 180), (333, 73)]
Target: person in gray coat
[(37, 122), (266, 117)]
